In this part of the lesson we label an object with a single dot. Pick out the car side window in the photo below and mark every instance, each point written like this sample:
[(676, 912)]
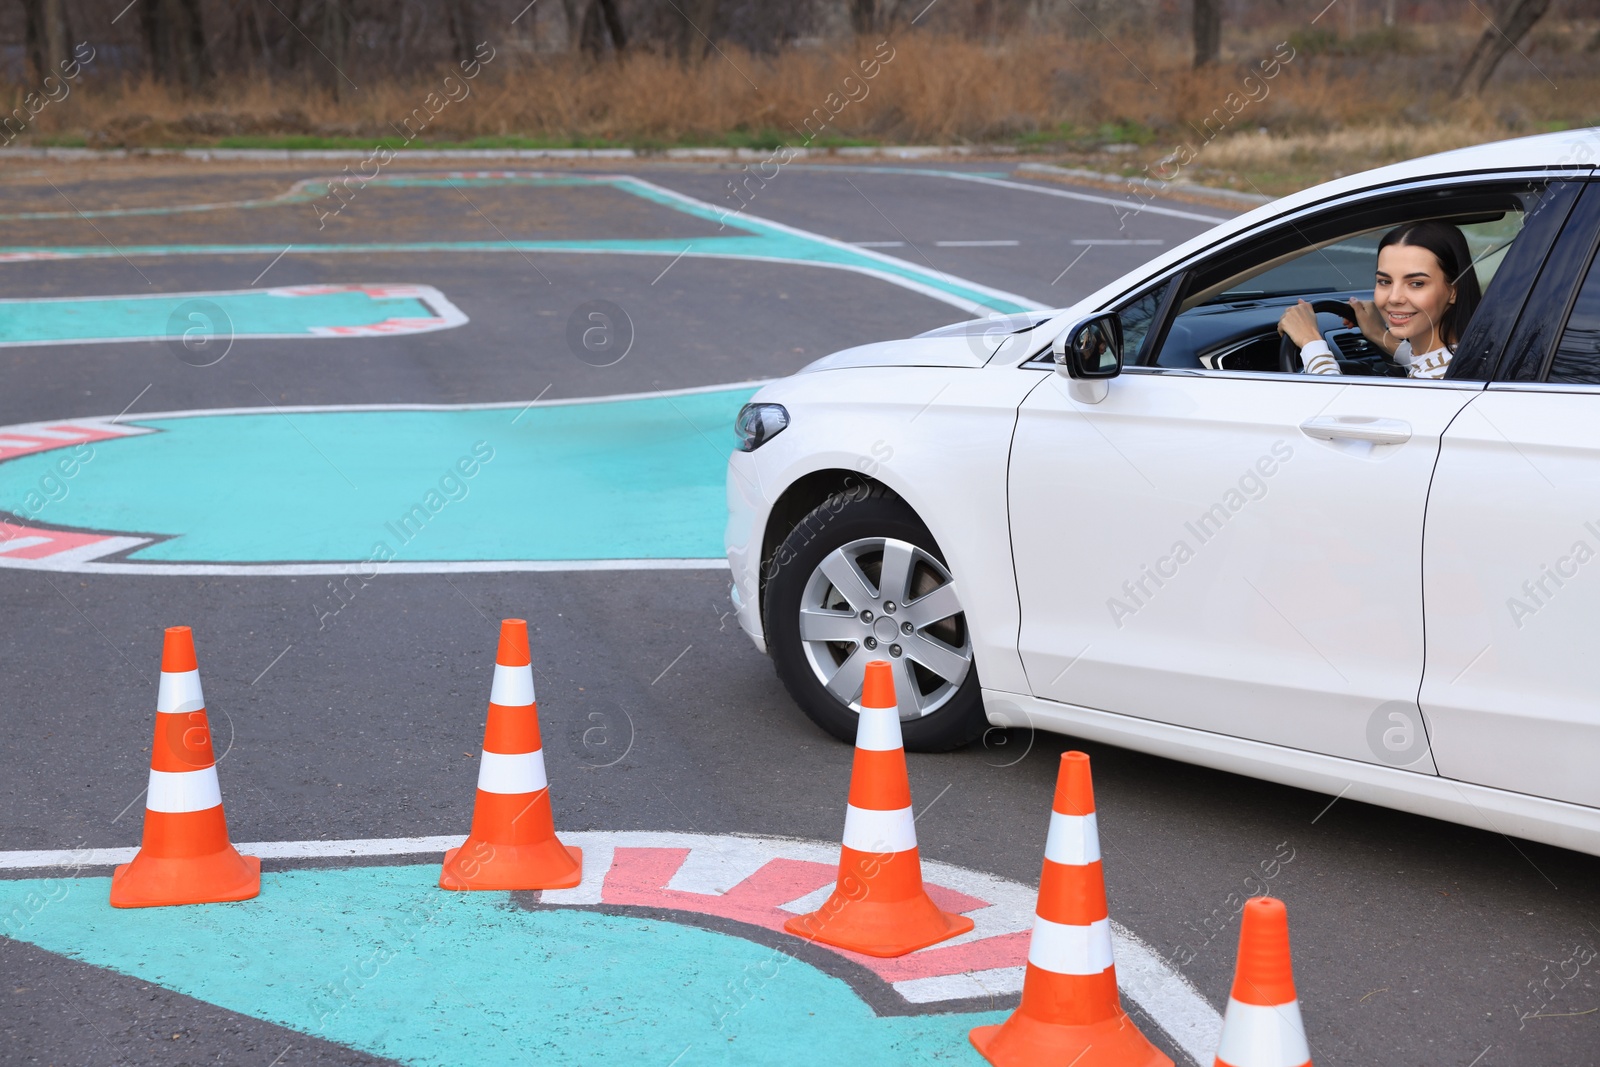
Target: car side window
[(1577, 357), (1226, 316), (1137, 316)]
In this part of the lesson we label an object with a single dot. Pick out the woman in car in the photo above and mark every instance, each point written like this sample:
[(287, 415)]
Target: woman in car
[(1425, 293)]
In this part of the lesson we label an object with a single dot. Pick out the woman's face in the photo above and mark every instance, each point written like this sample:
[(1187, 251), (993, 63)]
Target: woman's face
[(1413, 295)]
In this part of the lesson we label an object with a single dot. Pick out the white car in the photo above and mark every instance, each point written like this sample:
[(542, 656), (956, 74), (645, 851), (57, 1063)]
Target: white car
[(1131, 521)]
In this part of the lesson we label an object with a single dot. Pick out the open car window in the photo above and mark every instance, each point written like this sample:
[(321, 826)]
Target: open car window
[(1226, 316)]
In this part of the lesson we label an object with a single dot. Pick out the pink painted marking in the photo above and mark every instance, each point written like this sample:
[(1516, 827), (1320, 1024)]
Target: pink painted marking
[(14, 443), (376, 329), (378, 290), (639, 877), (54, 541)]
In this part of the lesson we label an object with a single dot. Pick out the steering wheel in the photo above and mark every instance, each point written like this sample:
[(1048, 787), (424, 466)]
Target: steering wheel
[(1289, 352)]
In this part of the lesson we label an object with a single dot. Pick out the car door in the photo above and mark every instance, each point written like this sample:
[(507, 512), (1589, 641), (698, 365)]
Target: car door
[(1511, 563), (1240, 551)]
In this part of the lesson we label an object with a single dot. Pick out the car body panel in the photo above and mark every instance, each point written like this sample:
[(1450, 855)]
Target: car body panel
[(1499, 811), (1512, 573), (1187, 552), (970, 348), (946, 468)]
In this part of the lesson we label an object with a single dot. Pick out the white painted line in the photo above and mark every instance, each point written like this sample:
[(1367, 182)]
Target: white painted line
[(1170, 998), (445, 315), (1088, 198), (77, 559), (996, 982), (1118, 242), (23, 542), (99, 422), (597, 857), (65, 857), (976, 244), (101, 857), (811, 902), (892, 278), (62, 562), (719, 866)]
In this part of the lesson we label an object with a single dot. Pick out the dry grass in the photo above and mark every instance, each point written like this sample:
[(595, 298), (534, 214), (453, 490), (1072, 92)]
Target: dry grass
[(1069, 99)]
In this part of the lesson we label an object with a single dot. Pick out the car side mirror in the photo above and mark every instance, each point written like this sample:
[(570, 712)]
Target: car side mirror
[(1090, 353)]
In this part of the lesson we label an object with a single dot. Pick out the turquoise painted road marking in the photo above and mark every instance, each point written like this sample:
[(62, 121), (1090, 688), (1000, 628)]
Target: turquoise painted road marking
[(640, 478), (301, 311), (761, 239), (380, 959)]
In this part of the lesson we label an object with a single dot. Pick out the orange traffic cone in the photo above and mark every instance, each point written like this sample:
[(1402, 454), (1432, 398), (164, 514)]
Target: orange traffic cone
[(879, 906), (1070, 1010), (1262, 1027), (513, 841), (185, 857)]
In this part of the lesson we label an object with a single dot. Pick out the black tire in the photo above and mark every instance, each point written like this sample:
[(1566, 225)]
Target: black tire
[(841, 521)]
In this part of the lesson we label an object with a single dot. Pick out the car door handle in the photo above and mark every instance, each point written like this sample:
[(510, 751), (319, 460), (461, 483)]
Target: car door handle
[(1357, 428)]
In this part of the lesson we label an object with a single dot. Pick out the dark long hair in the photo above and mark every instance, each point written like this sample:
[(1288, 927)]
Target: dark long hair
[(1449, 247)]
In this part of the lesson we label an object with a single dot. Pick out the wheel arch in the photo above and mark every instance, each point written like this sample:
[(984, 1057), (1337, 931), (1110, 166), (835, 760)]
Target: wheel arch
[(798, 500)]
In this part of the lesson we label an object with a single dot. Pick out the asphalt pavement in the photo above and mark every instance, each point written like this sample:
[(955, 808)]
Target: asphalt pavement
[(1415, 941)]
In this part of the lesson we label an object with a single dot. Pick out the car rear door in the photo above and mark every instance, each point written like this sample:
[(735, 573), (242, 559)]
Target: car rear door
[(1511, 561)]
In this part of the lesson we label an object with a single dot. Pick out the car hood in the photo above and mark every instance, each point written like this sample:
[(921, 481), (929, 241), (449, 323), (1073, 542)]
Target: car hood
[(962, 344)]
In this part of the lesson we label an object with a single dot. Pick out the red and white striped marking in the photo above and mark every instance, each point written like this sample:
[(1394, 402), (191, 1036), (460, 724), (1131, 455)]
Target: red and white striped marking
[(386, 328), (32, 547), (443, 314), (41, 436), (28, 546), (765, 881)]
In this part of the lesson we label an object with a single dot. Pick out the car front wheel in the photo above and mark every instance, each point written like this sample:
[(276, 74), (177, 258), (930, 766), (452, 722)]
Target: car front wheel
[(861, 578)]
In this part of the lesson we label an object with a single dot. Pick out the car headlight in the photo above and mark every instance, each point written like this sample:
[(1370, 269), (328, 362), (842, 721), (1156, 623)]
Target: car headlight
[(759, 423)]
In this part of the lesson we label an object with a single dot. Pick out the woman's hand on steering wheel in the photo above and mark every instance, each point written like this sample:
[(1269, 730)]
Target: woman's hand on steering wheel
[(1373, 328), (1299, 324)]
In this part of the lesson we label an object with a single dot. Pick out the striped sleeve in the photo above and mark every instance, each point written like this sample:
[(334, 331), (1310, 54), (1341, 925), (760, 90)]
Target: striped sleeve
[(1317, 358), (1430, 365)]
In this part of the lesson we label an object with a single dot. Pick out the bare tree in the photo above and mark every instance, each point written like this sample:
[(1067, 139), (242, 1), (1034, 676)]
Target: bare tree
[(49, 36), (175, 42), (696, 27), (1207, 31), (864, 16), (613, 19), (1508, 24), (329, 28), (876, 16), (590, 23), (463, 16)]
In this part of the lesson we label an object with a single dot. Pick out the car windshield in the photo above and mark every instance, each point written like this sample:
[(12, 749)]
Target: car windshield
[(1349, 263)]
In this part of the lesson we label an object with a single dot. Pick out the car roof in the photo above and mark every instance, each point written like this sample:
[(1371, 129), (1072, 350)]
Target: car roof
[(1568, 149)]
